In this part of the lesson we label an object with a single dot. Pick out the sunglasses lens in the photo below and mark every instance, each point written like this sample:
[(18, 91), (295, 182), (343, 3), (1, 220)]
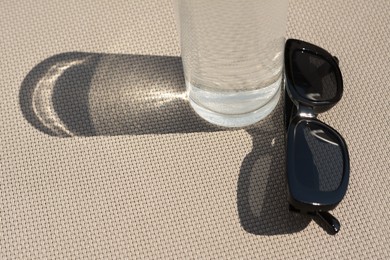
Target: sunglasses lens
[(318, 157), (314, 77)]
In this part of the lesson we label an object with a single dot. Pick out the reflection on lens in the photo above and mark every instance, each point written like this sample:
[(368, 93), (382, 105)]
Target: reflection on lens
[(321, 135), (313, 76), (318, 157)]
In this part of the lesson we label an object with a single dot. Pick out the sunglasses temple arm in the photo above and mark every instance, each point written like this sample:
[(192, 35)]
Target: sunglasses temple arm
[(330, 221)]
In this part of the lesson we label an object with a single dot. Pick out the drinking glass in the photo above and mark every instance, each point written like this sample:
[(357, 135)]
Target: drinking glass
[(232, 54)]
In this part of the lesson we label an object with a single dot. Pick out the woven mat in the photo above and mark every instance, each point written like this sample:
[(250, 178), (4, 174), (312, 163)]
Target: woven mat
[(101, 157)]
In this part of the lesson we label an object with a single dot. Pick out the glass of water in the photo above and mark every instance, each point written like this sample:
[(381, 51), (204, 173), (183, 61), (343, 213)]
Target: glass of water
[(232, 54)]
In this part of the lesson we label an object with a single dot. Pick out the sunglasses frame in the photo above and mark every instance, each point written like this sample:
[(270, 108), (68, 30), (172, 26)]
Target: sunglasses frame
[(301, 110)]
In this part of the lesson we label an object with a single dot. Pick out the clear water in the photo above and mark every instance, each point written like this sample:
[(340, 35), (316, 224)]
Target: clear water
[(234, 109), (232, 52)]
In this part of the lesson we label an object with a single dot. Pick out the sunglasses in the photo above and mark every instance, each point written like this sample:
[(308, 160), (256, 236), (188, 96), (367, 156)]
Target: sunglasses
[(317, 155)]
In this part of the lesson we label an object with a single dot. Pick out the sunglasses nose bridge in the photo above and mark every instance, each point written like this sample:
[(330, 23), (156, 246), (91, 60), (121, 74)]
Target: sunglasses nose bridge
[(306, 112)]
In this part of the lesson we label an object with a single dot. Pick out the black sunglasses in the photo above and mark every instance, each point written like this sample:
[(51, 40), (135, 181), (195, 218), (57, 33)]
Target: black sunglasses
[(317, 155)]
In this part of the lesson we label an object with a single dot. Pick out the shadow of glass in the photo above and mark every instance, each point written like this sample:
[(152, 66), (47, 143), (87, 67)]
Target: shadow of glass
[(262, 188), (86, 94)]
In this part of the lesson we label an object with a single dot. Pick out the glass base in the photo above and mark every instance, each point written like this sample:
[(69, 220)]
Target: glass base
[(228, 119)]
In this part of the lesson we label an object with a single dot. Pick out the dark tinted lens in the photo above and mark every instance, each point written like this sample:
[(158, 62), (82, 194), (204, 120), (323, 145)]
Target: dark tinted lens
[(314, 77), (318, 157)]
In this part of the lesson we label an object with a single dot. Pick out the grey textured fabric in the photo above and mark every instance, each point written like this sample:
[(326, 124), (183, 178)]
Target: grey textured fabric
[(89, 171)]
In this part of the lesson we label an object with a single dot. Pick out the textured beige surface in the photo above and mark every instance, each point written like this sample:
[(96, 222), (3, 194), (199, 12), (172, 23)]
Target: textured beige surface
[(200, 193)]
